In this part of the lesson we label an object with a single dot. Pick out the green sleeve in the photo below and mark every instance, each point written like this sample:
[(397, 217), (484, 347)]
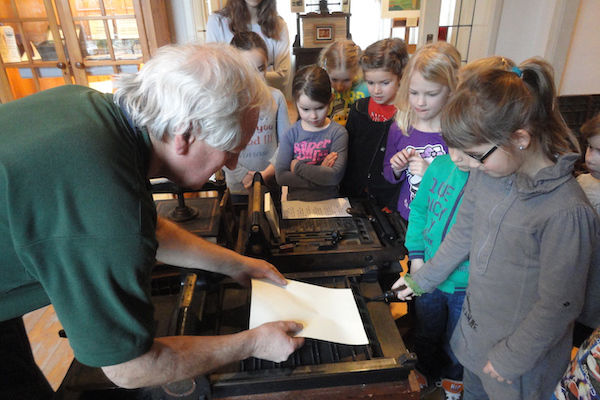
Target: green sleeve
[(418, 217)]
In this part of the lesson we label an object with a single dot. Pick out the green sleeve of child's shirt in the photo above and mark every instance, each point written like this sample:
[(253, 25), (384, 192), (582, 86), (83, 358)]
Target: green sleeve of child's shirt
[(417, 291), (417, 220)]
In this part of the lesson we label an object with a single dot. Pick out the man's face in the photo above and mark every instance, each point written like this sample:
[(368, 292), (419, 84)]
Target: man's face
[(196, 166)]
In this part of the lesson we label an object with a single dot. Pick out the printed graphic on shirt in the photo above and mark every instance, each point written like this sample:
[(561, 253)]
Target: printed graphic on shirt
[(438, 204), (467, 312), (340, 105), (263, 135), (582, 378), (312, 152), (428, 153)]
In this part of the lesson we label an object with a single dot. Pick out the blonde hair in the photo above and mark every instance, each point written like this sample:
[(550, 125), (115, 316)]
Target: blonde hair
[(493, 103), (434, 66), (343, 55), (449, 50), (206, 88)]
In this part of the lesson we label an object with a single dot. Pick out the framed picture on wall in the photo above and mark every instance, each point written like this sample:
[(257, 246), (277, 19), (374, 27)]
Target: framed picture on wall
[(297, 6), (400, 8), (324, 33)]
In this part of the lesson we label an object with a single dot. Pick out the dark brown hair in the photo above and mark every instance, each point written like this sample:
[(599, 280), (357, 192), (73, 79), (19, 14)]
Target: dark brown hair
[(494, 103), (239, 17), (388, 54), (249, 41), (313, 81), (590, 128)]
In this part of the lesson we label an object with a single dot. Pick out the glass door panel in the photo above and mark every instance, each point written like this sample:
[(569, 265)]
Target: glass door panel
[(33, 59), (31, 9), (110, 39)]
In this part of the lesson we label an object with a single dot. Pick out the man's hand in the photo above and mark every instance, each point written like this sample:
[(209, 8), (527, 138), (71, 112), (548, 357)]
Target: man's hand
[(253, 268), (274, 341), (329, 159), (489, 369), (417, 165), (405, 294)]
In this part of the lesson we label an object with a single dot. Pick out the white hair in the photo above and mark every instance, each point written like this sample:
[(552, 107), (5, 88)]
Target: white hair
[(206, 90)]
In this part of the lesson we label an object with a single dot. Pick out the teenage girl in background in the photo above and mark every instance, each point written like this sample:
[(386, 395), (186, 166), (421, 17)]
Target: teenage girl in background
[(415, 139), (258, 16), (369, 121), (261, 151), (340, 60), (528, 228), (312, 154)]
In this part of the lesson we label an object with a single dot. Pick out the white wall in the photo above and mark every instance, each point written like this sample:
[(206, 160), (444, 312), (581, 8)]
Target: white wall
[(542, 28), (582, 70)]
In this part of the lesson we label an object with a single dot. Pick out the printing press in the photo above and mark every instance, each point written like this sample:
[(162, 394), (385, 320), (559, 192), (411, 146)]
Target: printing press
[(352, 253)]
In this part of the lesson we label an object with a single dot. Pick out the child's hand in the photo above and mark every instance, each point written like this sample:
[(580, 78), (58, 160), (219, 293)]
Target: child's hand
[(416, 265), (329, 160), (247, 179), (399, 161), (417, 165), (489, 369), (404, 294), (293, 165)]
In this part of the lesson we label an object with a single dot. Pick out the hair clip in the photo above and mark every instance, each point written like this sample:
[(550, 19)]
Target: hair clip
[(517, 71)]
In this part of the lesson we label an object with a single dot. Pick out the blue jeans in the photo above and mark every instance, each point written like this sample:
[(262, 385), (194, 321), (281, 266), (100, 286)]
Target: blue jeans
[(437, 315)]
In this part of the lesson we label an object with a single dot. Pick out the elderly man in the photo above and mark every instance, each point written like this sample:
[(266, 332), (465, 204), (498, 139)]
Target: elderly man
[(78, 226)]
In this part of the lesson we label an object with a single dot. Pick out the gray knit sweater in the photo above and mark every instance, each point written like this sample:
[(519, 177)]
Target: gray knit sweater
[(530, 242)]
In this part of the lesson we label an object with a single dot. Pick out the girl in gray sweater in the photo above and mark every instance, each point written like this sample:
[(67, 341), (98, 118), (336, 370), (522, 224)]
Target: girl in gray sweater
[(526, 227), (312, 155)]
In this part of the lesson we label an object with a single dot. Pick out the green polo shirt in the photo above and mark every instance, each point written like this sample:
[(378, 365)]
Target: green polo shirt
[(77, 221)]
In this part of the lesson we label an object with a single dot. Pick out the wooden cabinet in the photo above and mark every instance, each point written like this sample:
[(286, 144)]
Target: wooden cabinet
[(47, 43)]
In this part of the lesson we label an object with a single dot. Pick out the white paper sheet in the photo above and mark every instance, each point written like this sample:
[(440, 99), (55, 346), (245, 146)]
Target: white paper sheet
[(296, 209), (327, 314)]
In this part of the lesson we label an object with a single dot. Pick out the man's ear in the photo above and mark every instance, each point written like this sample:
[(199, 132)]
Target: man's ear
[(182, 142), (521, 138)]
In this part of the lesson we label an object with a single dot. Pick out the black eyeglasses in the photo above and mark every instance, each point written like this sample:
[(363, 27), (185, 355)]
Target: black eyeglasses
[(482, 158)]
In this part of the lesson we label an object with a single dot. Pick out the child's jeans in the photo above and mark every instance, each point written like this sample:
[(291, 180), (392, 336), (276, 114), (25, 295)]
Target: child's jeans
[(437, 315)]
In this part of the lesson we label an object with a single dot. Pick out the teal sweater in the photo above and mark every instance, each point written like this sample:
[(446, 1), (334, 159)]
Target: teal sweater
[(432, 213)]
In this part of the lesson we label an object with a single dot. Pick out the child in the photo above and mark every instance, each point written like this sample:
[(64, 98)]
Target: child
[(415, 139), (433, 212), (582, 377), (369, 121), (528, 228), (260, 153), (260, 17), (590, 132), (340, 60), (312, 154)]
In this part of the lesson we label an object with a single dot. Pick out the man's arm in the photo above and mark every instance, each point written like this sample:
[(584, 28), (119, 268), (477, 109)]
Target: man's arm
[(175, 358), (181, 248)]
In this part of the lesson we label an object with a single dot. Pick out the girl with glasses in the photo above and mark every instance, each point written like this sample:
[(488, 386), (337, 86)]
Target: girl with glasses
[(526, 227)]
